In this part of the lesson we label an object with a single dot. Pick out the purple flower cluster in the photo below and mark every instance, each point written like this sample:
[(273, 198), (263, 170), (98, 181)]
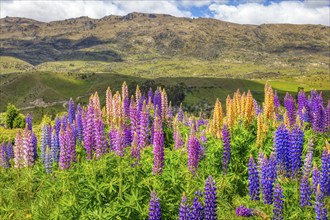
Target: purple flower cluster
[(278, 202), (226, 149), (184, 209), (28, 121), (143, 127), (289, 104), (315, 178), (67, 148), (282, 148), (296, 146), (243, 211), (158, 144), (178, 142), (6, 153), (305, 188), (210, 210), (154, 207), (71, 111), (325, 177), (197, 209), (319, 207), (253, 180), (193, 151), (268, 177)]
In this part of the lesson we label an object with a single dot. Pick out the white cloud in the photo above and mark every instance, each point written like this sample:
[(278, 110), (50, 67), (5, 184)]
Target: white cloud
[(284, 12), (59, 10)]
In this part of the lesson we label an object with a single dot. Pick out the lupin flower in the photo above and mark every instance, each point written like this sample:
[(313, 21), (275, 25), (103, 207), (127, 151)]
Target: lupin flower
[(18, 150), (325, 176), (319, 207), (197, 209), (4, 158), (88, 131), (158, 102), (79, 124), (45, 140), (217, 119), (253, 180), (301, 103), (55, 147), (65, 158), (315, 178), (266, 182), (135, 150), (278, 202), (295, 149), (256, 107), (10, 150), (327, 118), (289, 104), (193, 151), (180, 114), (277, 102), (305, 192), (28, 121), (71, 111), (28, 148), (133, 116), (226, 149), (125, 99), (143, 126), (64, 121), (48, 160), (158, 145), (184, 209), (243, 211), (154, 207), (178, 142), (282, 148), (57, 125), (210, 211), (119, 141), (100, 140)]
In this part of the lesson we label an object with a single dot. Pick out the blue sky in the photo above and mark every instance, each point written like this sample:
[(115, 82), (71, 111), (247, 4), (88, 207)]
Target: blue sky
[(237, 11)]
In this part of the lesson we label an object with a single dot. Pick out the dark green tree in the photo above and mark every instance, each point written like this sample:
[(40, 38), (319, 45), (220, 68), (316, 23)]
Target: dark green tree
[(11, 113)]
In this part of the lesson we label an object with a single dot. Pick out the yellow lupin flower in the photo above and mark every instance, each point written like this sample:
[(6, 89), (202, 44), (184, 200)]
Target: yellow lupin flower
[(108, 105), (217, 119)]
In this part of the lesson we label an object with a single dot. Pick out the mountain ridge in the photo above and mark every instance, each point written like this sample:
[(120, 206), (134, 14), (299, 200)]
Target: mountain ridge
[(158, 36)]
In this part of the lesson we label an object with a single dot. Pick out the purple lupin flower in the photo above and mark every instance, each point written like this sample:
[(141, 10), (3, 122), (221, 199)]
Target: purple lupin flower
[(180, 114), (325, 176), (193, 151), (158, 102), (296, 147), (282, 148), (305, 188), (57, 125), (133, 116), (64, 121), (154, 207), (197, 209), (28, 148), (44, 142), (158, 143), (64, 161), (72, 144), (150, 94), (210, 211), (266, 183), (143, 126), (178, 142), (112, 137), (18, 150), (119, 142), (28, 121), (319, 207), (99, 138), (71, 111), (55, 147), (327, 118), (184, 209), (256, 107), (243, 211), (88, 131), (79, 124), (135, 150), (277, 102), (226, 149), (315, 178), (278, 202), (289, 104), (253, 180), (301, 103), (4, 159), (305, 192), (48, 160), (10, 150)]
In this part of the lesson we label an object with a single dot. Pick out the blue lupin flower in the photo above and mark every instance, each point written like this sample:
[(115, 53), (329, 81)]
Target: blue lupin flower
[(253, 180), (296, 147), (154, 208), (210, 211), (278, 202), (197, 209), (184, 209), (282, 148)]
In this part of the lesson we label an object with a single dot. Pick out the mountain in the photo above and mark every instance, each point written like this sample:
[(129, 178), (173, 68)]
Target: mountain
[(141, 36)]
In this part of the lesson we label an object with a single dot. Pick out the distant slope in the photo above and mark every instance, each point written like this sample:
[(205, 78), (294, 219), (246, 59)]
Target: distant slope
[(140, 36)]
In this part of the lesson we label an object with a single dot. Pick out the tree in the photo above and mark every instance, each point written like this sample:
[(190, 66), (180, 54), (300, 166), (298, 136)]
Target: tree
[(11, 113)]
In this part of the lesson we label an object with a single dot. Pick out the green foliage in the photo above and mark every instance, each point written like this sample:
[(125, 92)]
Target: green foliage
[(19, 121), (112, 188), (11, 113)]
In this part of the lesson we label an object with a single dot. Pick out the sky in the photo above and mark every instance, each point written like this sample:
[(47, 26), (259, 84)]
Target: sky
[(237, 11)]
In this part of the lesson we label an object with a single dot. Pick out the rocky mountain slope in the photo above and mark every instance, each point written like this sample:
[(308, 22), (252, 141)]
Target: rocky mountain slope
[(156, 36)]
